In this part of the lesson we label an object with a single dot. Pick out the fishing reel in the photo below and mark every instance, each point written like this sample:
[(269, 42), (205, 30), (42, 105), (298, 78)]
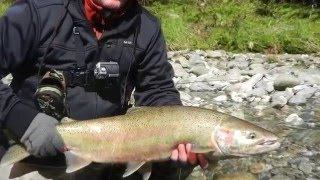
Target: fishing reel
[(51, 94)]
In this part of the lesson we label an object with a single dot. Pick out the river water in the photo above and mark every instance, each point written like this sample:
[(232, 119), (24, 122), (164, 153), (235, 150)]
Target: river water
[(297, 158)]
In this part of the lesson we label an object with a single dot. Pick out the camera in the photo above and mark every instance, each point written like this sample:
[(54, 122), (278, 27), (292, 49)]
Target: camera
[(106, 70)]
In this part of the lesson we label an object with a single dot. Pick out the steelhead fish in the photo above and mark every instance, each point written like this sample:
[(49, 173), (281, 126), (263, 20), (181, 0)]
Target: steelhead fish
[(147, 134)]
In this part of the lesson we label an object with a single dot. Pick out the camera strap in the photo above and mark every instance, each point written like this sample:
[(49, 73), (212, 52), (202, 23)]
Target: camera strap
[(80, 50)]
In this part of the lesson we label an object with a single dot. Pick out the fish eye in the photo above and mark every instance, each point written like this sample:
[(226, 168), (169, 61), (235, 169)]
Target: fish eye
[(252, 135)]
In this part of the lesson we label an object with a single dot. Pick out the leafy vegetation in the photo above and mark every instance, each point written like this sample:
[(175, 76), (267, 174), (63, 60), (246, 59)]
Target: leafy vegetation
[(267, 26), (241, 26)]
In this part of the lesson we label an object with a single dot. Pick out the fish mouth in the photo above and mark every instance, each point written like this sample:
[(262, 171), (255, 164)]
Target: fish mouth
[(268, 143)]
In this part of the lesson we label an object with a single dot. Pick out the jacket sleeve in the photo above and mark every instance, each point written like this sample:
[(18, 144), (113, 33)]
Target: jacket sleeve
[(154, 85), (17, 38)]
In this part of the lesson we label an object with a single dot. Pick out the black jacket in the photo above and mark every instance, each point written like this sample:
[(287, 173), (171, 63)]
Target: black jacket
[(135, 41)]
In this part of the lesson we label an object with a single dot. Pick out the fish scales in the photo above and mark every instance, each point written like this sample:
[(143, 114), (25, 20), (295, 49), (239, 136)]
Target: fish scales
[(141, 135)]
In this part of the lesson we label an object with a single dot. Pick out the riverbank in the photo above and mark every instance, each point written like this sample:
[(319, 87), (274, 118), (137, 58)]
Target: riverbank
[(278, 92)]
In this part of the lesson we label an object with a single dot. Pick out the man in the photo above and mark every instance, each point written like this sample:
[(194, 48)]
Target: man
[(75, 36)]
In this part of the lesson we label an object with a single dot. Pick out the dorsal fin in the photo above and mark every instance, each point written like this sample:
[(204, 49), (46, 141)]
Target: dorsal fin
[(134, 109)]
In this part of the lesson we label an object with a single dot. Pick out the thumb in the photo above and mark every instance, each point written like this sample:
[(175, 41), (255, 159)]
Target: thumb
[(58, 143)]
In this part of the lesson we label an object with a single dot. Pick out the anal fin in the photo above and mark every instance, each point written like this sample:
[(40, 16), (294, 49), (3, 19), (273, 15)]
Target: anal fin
[(75, 162), (145, 170), (132, 167)]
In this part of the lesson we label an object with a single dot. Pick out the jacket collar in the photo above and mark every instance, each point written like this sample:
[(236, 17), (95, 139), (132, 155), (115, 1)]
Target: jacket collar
[(122, 24)]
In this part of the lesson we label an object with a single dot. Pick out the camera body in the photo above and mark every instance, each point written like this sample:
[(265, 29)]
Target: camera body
[(106, 70)]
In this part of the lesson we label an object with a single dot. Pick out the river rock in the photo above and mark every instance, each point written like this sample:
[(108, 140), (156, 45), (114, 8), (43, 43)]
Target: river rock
[(236, 97), (221, 98), (278, 101), (182, 61), (258, 92), (294, 120), (238, 64), (179, 71), (218, 54), (305, 167), (280, 177), (288, 93), (284, 81), (297, 99), (307, 92), (199, 70), (267, 85), (200, 87), (195, 58)]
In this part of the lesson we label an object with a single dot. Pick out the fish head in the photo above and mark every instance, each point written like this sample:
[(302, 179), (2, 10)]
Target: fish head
[(240, 138)]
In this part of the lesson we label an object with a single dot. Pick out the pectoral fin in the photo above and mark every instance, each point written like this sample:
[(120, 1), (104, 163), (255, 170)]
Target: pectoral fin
[(14, 154), (196, 148), (132, 167), (75, 162)]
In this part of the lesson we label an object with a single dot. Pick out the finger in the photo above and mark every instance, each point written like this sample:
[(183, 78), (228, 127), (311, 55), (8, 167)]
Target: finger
[(174, 155), (182, 153), (192, 158), (202, 161)]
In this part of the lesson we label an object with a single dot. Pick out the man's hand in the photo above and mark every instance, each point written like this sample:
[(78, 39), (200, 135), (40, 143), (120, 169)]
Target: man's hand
[(184, 155), (41, 138)]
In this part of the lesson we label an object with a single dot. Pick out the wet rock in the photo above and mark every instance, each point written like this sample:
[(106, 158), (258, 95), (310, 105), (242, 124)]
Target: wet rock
[(244, 176), (305, 167), (264, 176), (307, 116), (298, 160), (307, 153), (284, 81), (280, 177), (294, 120), (257, 168)]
